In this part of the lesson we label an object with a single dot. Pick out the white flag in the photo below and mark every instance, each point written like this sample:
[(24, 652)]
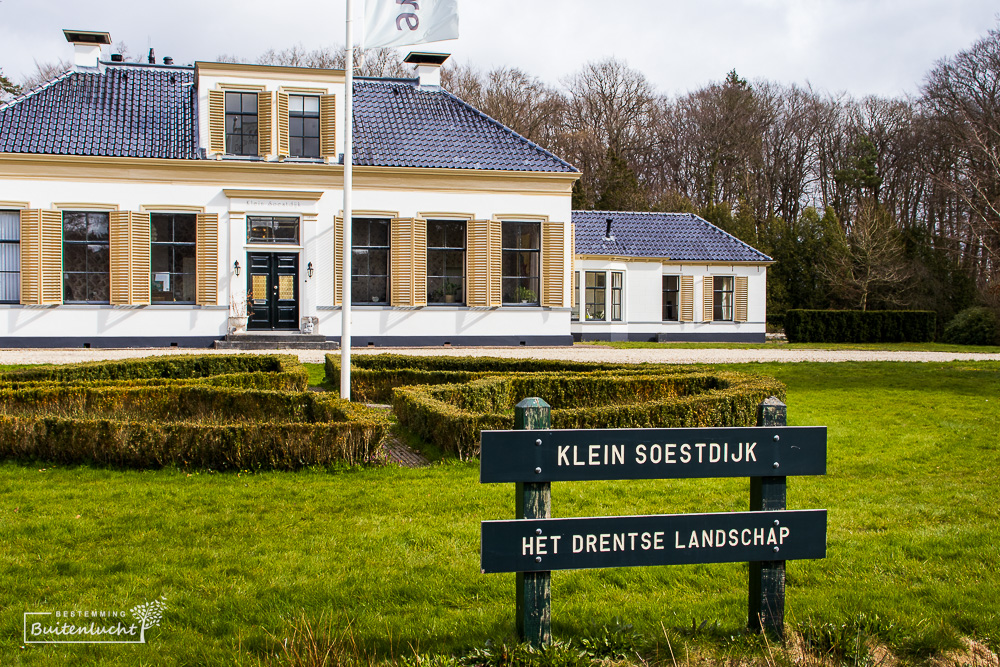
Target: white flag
[(406, 22)]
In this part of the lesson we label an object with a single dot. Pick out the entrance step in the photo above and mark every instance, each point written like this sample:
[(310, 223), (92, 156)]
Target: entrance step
[(275, 341)]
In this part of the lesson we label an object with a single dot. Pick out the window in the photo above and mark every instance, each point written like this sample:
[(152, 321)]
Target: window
[(272, 229), (303, 126), (519, 278), (575, 312), (722, 301), (671, 298), (86, 257), (241, 124), (595, 296), (10, 256), (369, 261), (445, 261), (617, 280), (173, 261)]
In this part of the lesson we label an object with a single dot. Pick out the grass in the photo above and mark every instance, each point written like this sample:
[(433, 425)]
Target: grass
[(784, 345), (383, 562)]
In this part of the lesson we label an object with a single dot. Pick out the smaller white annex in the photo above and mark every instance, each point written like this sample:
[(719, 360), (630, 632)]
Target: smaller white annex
[(665, 277)]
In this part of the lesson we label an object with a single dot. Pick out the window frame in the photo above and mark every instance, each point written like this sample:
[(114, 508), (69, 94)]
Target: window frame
[(87, 243), (459, 292), (676, 291), (369, 276), (302, 137), (173, 245), (617, 296), (720, 302), (524, 285), (15, 256), (574, 314), (274, 221), (590, 294), (245, 137)]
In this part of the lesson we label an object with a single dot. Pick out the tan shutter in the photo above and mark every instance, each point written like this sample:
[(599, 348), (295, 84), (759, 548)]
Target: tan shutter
[(408, 260), (708, 297), (478, 263), (41, 257), (139, 293), (207, 254), (742, 295), (120, 243), (553, 264), (338, 260), (496, 258), (217, 121), (264, 113), (328, 126), (283, 150), (687, 299)]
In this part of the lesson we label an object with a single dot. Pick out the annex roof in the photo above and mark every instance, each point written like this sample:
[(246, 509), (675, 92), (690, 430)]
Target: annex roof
[(681, 237), (149, 111)]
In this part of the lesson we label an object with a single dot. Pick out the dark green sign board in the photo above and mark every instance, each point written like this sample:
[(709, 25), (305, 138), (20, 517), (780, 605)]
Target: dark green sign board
[(651, 453), (526, 545)]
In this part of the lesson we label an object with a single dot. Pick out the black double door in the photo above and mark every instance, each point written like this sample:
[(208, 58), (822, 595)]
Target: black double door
[(273, 286)]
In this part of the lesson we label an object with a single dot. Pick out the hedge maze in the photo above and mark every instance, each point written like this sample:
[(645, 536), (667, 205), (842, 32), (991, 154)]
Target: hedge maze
[(449, 400), (243, 412)]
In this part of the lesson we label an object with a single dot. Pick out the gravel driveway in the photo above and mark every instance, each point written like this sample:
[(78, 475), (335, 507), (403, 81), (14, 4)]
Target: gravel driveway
[(593, 353)]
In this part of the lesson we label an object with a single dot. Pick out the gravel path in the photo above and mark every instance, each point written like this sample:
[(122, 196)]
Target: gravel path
[(592, 353)]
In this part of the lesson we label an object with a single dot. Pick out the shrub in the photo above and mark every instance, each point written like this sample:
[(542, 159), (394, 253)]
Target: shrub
[(220, 412), (857, 326), (973, 326), (452, 415)]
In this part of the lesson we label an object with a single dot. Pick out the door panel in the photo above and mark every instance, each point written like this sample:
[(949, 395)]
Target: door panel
[(273, 282)]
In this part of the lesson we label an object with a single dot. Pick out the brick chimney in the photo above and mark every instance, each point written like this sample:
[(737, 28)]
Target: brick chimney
[(86, 46), (427, 66)]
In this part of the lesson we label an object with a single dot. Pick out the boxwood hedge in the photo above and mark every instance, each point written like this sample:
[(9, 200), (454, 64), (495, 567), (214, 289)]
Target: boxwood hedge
[(220, 412), (858, 326)]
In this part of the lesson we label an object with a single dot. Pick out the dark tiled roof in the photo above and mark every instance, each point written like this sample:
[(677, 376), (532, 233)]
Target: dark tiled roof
[(124, 111), (682, 237), (399, 124)]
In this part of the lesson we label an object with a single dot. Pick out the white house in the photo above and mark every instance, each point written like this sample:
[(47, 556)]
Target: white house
[(147, 204), (665, 277)]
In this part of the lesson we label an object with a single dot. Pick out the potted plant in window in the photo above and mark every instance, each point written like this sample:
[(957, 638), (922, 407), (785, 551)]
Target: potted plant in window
[(450, 291), (239, 312), (525, 295)]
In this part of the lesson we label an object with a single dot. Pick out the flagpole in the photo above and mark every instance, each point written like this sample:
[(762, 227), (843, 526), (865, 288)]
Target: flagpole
[(345, 334)]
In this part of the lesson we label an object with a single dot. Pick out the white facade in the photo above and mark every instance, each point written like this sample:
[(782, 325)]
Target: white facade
[(643, 315)]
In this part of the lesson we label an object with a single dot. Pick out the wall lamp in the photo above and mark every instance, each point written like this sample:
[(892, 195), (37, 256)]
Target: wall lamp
[(236, 267), (309, 270)]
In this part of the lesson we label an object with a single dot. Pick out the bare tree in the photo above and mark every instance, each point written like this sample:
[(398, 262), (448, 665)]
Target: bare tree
[(44, 72), (381, 62)]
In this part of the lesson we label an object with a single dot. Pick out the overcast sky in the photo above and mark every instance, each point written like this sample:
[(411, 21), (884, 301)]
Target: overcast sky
[(861, 47)]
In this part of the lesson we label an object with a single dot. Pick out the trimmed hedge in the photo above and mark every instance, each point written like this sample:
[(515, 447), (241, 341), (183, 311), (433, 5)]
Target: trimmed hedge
[(373, 377), (219, 412), (973, 326), (857, 326), (452, 415)]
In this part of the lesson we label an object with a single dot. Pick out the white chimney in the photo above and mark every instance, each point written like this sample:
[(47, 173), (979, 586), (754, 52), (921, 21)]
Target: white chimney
[(427, 66), (86, 47)]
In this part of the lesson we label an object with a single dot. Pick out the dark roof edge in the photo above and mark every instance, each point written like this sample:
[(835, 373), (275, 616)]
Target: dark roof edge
[(37, 89), (516, 134), (112, 63)]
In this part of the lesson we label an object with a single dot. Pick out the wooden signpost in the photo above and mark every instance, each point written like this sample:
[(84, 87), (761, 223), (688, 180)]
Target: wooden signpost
[(534, 544)]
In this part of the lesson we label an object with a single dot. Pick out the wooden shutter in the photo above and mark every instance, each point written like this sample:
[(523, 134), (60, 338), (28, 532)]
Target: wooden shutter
[(130, 258), (687, 299), (264, 113), (283, 150), (41, 257), (553, 264), (338, 260), (742, 296), (483, 261), (408, 259), (207, 259), (217, 121), (708, 297), (328, 126)]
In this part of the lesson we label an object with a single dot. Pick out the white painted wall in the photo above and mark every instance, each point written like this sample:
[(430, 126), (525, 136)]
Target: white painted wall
[(643, 300)]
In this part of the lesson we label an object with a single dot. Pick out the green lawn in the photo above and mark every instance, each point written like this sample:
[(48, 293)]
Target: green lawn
[(388, 560)]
